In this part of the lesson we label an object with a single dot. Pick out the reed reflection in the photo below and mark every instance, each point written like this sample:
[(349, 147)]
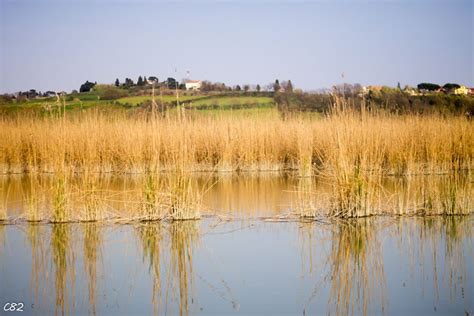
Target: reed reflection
[(92, 255), (150, 237), (351, 259), (36, 237), (183, 237), (441, 250), (358, 282), (172, 278), (351, 263), (64, 268)]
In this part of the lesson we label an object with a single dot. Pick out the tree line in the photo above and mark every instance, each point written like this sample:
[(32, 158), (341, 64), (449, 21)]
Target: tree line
[(392, 100)]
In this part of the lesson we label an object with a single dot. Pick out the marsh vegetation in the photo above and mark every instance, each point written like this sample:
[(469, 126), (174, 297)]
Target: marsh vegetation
[(352, 151)]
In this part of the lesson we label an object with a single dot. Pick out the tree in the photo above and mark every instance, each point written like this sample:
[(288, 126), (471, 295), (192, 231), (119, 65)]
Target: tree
[(140, 81), (289, 86), (246, 87), (258, 88), (171, 83), (153, 79), (117, 82), (237, 88), (428, 86), (357, 88), (129, 83), (451, 86), (87, 86), (276, 86)]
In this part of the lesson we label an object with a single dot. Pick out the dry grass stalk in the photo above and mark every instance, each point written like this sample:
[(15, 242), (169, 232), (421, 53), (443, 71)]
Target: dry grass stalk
[(4, 191), (61, 206)]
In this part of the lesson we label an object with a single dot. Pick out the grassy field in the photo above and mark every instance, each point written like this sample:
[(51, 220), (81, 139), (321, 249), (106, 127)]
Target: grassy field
[(229, 101), (92, 99), (137, 100), (201, 100)]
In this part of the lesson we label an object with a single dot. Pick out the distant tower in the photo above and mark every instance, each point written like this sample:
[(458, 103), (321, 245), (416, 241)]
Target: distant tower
[(187, 75)]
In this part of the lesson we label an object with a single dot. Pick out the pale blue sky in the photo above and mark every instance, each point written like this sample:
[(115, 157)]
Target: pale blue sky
[(53, 45)]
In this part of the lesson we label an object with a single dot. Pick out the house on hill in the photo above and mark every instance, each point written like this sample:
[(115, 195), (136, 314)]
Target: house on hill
[(193, 84), (462, 90), (49, 94)]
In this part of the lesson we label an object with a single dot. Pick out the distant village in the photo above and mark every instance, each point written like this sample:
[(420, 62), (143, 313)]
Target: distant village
[(428, 88), (205, 86)]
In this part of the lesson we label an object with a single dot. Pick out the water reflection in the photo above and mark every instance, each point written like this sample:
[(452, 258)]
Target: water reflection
[(357, 273), (349, 259), (150, 237), (352, 264), (429, 195), (36, 238), (64, 265), (183, 237), (366, 266), (441, 248), (92, 256), (176, 241), (93, 197)]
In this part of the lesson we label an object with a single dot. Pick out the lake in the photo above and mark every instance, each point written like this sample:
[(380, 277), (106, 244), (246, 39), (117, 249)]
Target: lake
[(245, 256)]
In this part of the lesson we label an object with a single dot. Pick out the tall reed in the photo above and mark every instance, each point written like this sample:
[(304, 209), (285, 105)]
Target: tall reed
[(353, 163), (61, 206), (4, 191), (90, 197), (403, 144)]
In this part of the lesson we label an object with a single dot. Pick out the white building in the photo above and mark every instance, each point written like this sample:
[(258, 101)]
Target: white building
[(193, 84)]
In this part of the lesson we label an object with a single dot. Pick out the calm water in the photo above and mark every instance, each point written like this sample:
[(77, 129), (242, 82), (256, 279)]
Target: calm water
[(247, 266)]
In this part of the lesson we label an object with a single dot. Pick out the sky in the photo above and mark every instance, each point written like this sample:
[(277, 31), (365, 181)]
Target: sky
[(58, 45)]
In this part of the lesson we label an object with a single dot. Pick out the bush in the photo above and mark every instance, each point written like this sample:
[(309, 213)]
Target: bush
[(112, 93), (392, 100)]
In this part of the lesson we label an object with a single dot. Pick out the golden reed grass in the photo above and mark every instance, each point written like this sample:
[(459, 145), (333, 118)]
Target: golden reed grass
[(361, 148), (117, 143)]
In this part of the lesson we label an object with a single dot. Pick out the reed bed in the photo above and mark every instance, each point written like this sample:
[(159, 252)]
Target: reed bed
[(356, 160), (125, 144), (170, 196), (350, 150), (422, 195)]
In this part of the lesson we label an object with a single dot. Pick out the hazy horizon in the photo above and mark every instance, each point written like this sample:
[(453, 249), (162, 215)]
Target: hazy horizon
[(51, 45)]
